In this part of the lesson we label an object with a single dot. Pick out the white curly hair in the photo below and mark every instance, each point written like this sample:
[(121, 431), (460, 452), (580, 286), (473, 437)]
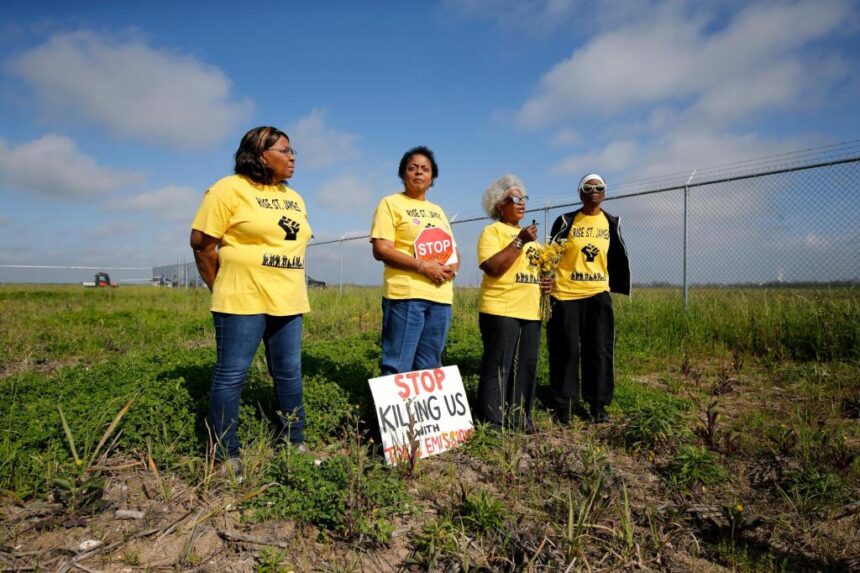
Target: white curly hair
[(498, 190)]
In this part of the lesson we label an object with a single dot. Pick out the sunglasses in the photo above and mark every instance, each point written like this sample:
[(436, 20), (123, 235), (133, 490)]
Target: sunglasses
[(517, 200), (288, 151), (589, 189)]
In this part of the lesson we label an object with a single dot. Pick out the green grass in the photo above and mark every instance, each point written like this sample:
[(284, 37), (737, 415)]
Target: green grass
[(782, 363)]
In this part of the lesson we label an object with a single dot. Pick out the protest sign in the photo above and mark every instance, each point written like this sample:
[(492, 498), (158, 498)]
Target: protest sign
[(421, 413), (435, 244)]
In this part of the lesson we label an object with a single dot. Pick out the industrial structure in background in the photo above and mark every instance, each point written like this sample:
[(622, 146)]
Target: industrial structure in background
[(179, 274)]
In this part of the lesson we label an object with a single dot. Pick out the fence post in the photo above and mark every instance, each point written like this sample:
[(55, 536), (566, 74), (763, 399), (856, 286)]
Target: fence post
[(686, 284), (340, 278), (546, 236)]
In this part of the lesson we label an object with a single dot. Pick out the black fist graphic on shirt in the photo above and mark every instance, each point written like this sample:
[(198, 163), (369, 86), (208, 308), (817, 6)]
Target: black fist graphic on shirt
[(290, 227), (590, 252)]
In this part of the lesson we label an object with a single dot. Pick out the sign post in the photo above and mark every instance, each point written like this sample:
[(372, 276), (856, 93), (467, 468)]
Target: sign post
[(421, 413)]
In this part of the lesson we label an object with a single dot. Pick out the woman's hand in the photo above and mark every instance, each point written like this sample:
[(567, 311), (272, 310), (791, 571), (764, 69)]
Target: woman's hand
[(437, 272), (528, 234), (546, 285)]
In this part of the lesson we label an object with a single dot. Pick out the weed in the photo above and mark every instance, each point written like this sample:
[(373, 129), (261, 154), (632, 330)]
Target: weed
[(695, 465), (80, 496), (408, 464), (651, 424), (482, 512), (353, 498), (270, 560), (627, 532), (579, 517), (742, 558), (808, 488), (484, 442), (686, 369), (131, 557), (595, 473), (709, 430), (438, 538), (734, 515), (737, 360), (510, 455), (783, 440), (725, 382)]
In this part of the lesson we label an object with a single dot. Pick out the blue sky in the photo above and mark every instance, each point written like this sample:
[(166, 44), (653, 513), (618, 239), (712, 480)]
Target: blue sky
[(116, 115)]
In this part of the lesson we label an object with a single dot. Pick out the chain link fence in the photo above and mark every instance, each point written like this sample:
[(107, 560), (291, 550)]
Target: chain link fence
[(784, 220), (791, 220)]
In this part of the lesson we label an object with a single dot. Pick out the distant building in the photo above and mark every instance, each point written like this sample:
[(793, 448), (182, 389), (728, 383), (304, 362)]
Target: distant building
[(179, 274)]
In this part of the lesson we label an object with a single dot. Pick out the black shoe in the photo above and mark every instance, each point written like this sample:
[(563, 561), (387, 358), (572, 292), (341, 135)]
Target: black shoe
[(598, 414), (563, 416)]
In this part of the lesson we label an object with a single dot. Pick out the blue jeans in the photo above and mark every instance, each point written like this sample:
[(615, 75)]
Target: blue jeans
[(237, 337), (413, 334)]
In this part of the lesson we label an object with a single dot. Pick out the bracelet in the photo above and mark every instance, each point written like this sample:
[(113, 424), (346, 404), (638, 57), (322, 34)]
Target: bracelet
[(518, 243), (419, 267)]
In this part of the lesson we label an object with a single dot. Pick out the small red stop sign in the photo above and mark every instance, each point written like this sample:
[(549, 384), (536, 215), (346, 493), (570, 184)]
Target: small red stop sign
[(434, 244)]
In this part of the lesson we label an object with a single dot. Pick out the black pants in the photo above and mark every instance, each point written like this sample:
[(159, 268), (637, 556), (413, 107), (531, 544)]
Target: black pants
[(506, 390), (583, 329)]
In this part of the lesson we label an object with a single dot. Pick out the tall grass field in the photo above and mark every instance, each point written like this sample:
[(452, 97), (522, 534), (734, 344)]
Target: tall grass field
[(732, 444)]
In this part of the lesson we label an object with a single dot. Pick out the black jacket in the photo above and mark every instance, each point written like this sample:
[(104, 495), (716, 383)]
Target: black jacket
[(617, 262)]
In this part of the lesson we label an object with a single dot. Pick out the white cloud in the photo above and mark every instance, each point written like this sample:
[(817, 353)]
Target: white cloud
[(683, 151), (345, 193), (617, 156), (565, 137), (320, 145), (131, 89), (54, 166), (171, 203), (665, 55), (112, 230)]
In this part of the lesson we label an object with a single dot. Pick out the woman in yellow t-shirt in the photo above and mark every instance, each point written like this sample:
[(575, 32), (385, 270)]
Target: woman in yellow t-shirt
[(249, 238), (413, 237), (509, 309)]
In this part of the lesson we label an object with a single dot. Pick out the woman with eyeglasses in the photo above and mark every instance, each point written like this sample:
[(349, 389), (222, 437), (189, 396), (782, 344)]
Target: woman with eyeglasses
[(581, 328), (249, 238), (413, 237), (509, 309)]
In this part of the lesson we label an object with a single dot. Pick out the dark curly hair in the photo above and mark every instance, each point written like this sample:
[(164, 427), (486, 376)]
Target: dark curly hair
[(248, 160), (420, 150)]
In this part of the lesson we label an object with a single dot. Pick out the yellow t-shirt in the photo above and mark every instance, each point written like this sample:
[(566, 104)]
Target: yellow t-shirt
[(516, 293), (264, 230), (583, 269), (401, 219)]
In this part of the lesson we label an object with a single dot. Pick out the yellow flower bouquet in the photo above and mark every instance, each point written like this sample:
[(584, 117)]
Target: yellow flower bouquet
[(546, 259)]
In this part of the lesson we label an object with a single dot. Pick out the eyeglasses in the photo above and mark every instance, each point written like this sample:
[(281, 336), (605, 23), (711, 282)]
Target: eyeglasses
[(589, 189), (288, 151), (516, 200)]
